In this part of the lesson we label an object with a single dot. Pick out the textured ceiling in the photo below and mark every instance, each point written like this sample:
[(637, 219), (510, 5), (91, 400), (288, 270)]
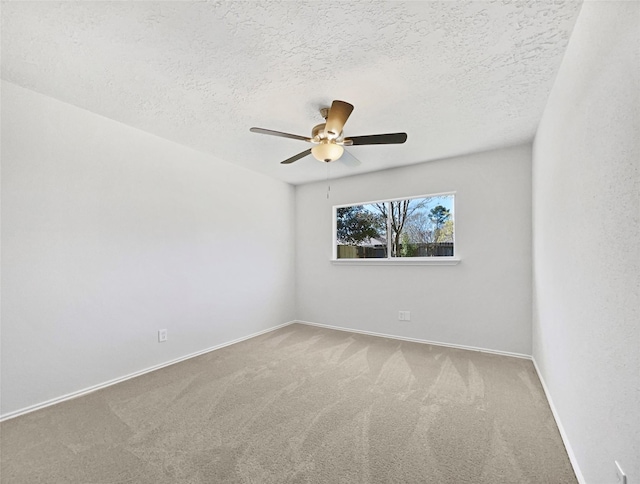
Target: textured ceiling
[(457, 76)]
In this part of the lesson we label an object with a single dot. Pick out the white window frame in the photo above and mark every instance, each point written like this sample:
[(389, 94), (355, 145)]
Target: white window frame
[(401, 261)]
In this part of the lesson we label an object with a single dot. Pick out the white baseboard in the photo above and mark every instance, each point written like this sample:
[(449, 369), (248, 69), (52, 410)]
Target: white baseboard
[(563, 434), (85, 391), (417, 340)]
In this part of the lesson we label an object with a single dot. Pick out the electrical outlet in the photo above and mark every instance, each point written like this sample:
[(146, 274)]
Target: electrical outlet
[(162, 335), (622, 477), (404, 316)]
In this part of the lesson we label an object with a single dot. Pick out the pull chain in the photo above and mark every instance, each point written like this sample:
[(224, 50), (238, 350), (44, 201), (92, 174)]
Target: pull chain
[(328, 184)]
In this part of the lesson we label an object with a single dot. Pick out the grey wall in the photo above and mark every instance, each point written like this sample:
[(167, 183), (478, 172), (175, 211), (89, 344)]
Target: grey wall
[(109, 234), (485, 301), (586, 198)]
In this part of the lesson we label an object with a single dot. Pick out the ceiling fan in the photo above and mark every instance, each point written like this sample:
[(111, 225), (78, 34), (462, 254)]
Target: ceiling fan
[(328, 137)]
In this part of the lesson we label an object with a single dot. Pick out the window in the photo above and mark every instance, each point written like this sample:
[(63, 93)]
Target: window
[(418, 228)]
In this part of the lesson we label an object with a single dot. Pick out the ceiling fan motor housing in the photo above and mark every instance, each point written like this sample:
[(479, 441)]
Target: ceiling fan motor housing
[(317, 133)]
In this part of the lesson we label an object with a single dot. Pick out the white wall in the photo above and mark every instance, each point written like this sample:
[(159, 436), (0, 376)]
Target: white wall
[(109, 233), (485, 301), (586, 198)]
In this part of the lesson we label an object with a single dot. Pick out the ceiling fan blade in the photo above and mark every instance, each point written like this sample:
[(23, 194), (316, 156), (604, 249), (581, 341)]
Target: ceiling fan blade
[(296, 157), (349, 160), (279, 133), (338, 115), (376, 139)]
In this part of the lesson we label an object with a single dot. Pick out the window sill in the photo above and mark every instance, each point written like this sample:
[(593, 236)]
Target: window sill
[(400, 261)]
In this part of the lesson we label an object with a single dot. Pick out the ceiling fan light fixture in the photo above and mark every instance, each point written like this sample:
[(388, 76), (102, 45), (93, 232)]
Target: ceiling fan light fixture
[(327, 151)]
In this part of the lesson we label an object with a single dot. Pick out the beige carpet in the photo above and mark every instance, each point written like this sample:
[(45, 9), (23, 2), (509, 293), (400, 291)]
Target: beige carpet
[(301, 405)]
